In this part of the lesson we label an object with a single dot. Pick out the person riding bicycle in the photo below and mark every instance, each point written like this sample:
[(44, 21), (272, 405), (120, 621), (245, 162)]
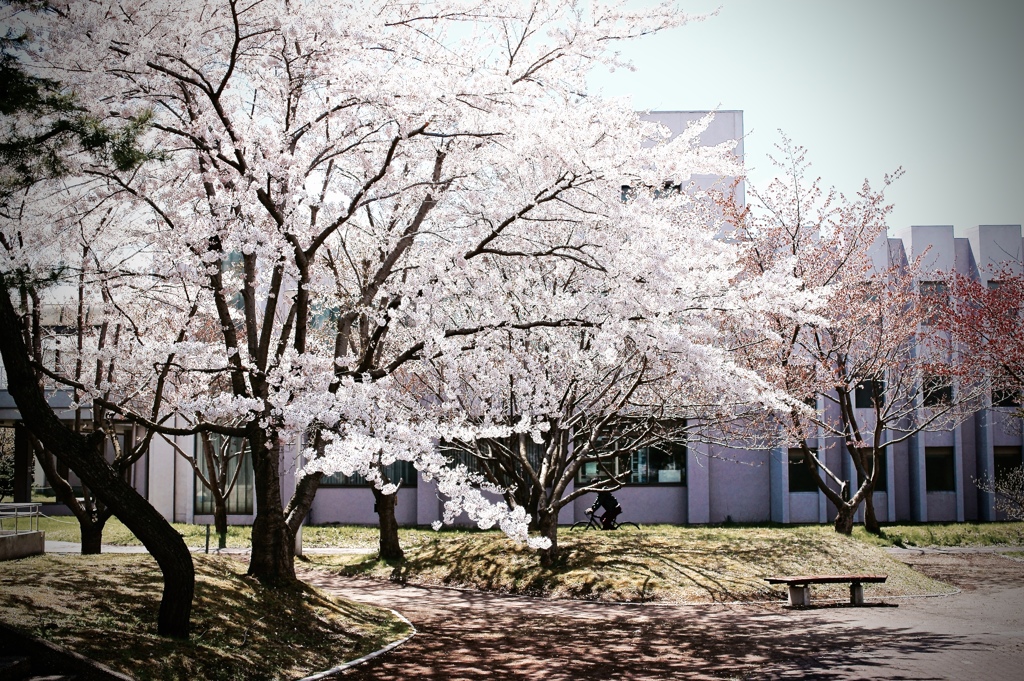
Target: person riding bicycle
[(611, 508)]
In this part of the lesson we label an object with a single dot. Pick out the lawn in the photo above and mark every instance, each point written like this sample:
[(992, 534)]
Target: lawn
[(65, 528), (665, 563), (105, 608), (659, 563), (947, 534)]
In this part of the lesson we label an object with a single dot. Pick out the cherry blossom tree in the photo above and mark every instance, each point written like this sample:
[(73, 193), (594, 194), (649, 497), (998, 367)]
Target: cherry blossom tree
[(983, 321), (44, 129), (331, 179), (1008, 489), (642, 363), (875, 334)]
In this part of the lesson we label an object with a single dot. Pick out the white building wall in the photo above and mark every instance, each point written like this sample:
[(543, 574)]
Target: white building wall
[(162, 489), (739, 485)]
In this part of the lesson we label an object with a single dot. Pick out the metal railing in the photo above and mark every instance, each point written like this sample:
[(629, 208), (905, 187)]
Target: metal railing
[(19, 518)]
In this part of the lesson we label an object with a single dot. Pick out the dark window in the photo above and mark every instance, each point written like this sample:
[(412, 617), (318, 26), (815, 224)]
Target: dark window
[(240, 497), (499, 456), (935, 296), (1011, 311), (936, 391), (1005, 398), (1006, 460), (663, 464), (940, 475), (399, 470), (801, 478), (867, 392)]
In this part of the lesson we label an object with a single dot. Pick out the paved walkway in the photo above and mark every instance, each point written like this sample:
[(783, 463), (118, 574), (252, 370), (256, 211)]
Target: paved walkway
[(977, 634), (464, 635)]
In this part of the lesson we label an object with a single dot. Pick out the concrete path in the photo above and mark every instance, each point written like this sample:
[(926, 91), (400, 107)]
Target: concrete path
[(977, 634)]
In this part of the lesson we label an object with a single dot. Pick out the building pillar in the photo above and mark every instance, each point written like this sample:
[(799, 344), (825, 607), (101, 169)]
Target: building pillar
[(890, 475), (850, 476), (823, 445), (958, 471), (163, 487), (985, 460), (698, 484), (918, 488), (428, 504), (778, 472)]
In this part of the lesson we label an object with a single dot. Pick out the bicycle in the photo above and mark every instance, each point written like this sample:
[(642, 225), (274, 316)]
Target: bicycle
[(595, 523)]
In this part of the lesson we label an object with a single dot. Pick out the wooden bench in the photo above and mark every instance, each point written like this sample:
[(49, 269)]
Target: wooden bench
[(800, 586)]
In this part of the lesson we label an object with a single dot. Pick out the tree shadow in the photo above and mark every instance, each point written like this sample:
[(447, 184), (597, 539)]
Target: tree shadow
[(470, 635)]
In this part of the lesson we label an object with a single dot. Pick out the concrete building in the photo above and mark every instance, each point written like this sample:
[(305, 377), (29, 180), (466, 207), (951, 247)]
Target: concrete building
[(927, 478)]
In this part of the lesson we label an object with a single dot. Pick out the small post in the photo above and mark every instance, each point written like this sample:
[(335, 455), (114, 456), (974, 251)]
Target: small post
[(856, 593), (799, 594), (207, 537)]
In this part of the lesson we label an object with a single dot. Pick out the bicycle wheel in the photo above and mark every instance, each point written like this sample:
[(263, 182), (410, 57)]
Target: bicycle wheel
[(629, 523), (578, 524)]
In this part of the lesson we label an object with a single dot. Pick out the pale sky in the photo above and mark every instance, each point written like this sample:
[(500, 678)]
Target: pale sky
[(934, 86)]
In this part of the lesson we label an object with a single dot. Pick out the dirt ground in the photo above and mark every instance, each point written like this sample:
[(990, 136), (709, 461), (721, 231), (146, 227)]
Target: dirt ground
[(976, 634)]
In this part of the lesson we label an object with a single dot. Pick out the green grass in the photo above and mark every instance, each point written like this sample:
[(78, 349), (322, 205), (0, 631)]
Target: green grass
[(660, 563), (947, 534), (105, 607), (65, 528), (669, 563)]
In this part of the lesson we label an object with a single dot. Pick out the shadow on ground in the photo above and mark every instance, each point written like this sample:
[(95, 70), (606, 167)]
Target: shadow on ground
[(472, 635)]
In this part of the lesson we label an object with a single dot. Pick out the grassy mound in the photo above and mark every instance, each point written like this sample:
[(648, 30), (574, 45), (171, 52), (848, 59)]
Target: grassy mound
[(947, 534), (105, 608), (657, 563)]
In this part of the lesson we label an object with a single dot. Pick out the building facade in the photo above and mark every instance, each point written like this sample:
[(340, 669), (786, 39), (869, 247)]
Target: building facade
[(930, 477)]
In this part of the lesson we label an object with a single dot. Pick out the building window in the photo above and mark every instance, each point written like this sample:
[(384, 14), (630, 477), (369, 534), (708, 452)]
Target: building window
[(935, 297), (866, 392), (882, 481), (1006, 459), (936, 391), (940, 472), (501, 465), (663, 464), (1010, 311), (239, 460), (402, 471), (1005, 398), (801, 478)]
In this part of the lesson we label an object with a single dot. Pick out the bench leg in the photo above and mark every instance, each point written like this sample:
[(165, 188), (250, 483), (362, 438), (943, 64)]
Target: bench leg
[(799, 595), (857, 594)]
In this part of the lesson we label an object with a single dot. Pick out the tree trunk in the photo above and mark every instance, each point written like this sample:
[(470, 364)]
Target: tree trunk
[(84, 455), (273, 542), (390, 548), (547, 523), (220, 521), (92, 535), (870, 520), (844, 520)]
